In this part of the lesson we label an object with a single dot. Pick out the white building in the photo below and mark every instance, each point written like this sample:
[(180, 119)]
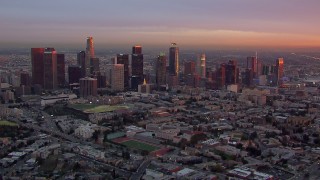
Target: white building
[(46, 100), (84, 131)]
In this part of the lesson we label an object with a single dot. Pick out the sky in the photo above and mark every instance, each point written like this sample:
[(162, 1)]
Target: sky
[(190, 23)]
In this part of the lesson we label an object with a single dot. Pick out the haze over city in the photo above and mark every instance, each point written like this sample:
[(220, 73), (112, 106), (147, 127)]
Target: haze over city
[(201, 24), (157, 90)]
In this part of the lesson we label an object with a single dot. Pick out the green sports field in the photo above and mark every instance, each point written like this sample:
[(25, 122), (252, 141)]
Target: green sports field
[(139, 145), (7, 123), (93, 108)]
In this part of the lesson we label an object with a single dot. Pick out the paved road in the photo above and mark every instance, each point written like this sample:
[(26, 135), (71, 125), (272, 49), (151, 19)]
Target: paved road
[(313, 171), (141, 170)]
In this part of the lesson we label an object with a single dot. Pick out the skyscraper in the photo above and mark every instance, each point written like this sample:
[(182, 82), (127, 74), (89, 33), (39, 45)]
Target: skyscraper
[(50, 68), (37, 66), (81, 57), (189, 68), (115, 77), (94, 65), (74, 73), (25, 79), (136, 49), (231, 71), (252, 63), (89, 54), (137, 66), (124, 59), (90, 47), (221, 76), (201, 65), (61, 70), (279, 70), (174, 59), (88, 87), (161, 69)]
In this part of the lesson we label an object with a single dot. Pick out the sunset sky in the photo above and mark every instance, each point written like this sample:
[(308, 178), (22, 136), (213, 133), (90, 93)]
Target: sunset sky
[(190, 23)]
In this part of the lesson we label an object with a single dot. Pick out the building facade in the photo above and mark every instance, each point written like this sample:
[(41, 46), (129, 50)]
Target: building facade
[(50, 69), (88, 87), (174, 59)]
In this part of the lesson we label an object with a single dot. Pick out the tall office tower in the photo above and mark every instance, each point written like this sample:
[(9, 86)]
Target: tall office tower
[(115, 77), (88, 87), (252, 63), (25, 79), (74, 73), (136, 49), (221, 76), (174, 60), (136, 66), (81, 57), (161, 70), (189, 68), (94, 65), (201, 66), (37, 66), (50, 68), (90, 48), (265, 70), (101, 80), (279, 70), (247, 77), (124, 59), (61, 74), (231, 73), (89, 55)]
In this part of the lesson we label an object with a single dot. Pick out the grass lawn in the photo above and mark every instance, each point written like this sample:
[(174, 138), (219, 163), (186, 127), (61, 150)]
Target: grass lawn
[(139, 145), (95, 108), (83, 107), (8, 123)]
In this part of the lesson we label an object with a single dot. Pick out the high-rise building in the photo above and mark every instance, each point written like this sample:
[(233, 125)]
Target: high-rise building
[(124, 59), (174, 59), (37, 66), (161, 69), (136, 66), (115, 77), (90, 47), (252, 63), (247, 77), (88, 87), (81, 57), (231, 72), (25, 79), (201, 65), (189, 68), (221, 76), (95, 65), (74, 74), (89, 55), (101, 80), (279, 70), (61, 74), (192, 80), (50, 68), (136, 49)]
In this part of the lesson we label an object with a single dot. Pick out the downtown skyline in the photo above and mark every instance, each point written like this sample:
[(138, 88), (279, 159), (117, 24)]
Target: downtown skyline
[(201, 24)]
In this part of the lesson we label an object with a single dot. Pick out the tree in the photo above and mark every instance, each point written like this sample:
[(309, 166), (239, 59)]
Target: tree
[(95, 135), (305, 138), (217, 168), (239, 146), (253, 135), (198, 137)]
